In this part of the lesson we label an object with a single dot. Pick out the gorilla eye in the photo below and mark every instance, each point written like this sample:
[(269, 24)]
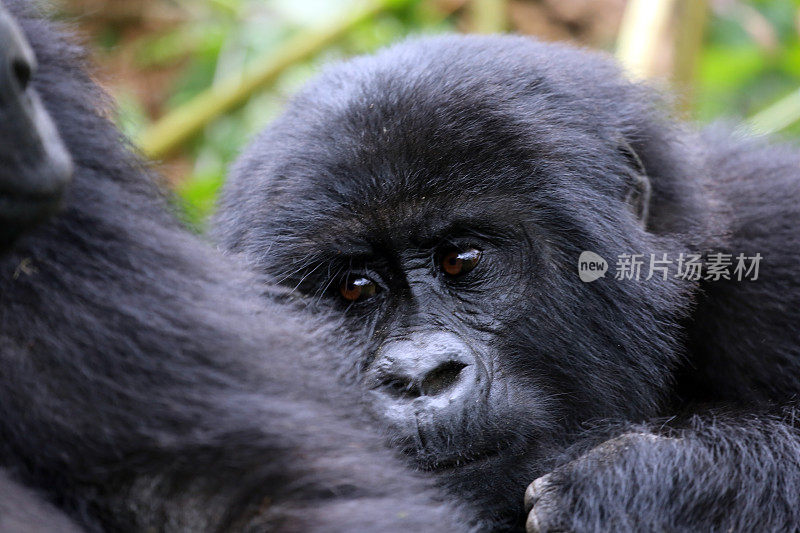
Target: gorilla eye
[(357, 288), (459, 262)]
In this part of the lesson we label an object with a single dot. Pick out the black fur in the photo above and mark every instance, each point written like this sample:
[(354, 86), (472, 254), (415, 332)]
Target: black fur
[(144, 386), (533, 153)]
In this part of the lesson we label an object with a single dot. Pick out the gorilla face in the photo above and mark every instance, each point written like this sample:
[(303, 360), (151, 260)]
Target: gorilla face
[(34, 164), (438, 196)]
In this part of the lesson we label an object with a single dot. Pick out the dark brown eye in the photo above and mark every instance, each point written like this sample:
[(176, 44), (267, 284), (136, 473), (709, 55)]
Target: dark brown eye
[(357, 288), (459, 262)]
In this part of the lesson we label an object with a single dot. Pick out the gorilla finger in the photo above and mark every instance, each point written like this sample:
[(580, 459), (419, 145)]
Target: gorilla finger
[(532, 525), (535, 491)]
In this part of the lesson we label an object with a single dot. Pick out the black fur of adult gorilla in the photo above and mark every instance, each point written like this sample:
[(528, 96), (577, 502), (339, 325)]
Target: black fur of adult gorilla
[(35, 169), (143, 385), (439, 193)]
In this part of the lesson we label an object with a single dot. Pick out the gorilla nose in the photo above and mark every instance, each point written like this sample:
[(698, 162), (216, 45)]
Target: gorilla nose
[(18, 58), (441, 378), (430, 365), (21, 69)]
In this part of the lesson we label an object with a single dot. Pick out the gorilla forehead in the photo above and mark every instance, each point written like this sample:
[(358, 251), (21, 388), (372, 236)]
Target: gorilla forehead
[(395, 138), (419, 225), (451, 111)]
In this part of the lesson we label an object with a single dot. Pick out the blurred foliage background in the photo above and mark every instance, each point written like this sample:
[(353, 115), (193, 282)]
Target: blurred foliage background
[(155, 56)]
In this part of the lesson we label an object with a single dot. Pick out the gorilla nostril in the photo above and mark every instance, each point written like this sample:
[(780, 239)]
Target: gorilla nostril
[(400, 387), (22, 72), (441, 378)]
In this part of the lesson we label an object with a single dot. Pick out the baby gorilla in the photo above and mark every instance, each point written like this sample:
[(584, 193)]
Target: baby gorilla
[(439, 194)]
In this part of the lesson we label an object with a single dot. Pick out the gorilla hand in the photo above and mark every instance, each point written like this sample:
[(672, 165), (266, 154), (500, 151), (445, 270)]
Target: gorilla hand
[(599, 490), (712, 473)]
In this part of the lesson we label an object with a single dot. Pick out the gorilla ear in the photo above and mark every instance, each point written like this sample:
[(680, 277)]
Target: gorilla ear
[(637, 191)]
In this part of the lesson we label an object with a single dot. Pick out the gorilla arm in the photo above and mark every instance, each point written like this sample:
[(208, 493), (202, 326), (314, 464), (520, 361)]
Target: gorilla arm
[(721, 473)]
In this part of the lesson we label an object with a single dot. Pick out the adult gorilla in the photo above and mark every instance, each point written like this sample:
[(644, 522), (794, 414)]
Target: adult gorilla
[(143, 385), (439, 195), (35, 167)]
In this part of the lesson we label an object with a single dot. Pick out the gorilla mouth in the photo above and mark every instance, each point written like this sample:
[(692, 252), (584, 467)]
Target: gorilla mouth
[(458, 461), (437, 462)]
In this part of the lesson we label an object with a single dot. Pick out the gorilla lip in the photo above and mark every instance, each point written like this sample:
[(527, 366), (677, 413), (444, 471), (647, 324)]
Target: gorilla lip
[(457, 461), (431, 458)]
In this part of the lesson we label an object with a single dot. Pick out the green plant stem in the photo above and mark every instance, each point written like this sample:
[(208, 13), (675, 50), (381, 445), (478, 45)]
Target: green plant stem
[(780, 115), (643, 27), (175, 128), (488, 16)]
